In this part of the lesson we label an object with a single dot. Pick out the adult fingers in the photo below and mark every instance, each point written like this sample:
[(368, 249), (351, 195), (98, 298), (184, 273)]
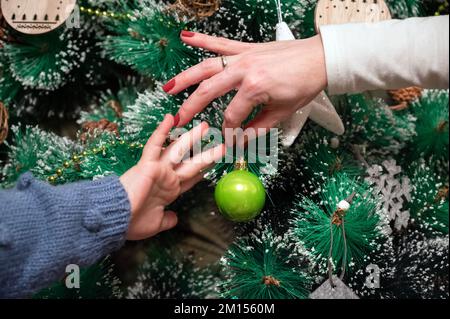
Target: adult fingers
[(264, 121), (176, 151), (191, 167), (240, 107), (209, 90), (152, 149), (168, 221), (215, 44), (195, 74)]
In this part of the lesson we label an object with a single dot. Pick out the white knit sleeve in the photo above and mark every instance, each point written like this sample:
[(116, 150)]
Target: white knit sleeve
[(387, 55)]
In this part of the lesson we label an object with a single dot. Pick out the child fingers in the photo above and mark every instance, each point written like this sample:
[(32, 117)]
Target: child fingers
[(200, 162), (152, 149), (187, 185), (176, 151), (169, 221)]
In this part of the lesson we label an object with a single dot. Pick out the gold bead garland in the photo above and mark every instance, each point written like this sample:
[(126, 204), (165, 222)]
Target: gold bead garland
[(192, 8), (76, 159), (106, 14), (442, 9)]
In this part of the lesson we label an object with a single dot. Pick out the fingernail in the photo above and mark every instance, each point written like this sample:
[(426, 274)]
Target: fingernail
[(187, 34), (176, 119), (169, 86)]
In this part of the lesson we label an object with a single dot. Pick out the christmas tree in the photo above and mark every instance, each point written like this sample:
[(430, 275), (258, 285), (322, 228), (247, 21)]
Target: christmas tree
[(79, 104)]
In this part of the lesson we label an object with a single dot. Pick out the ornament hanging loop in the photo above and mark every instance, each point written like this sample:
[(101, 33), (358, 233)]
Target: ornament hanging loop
[(279, 12), (338, 219)]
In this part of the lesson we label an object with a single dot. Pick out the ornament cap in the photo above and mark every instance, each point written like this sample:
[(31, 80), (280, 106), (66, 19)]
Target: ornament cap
[(241, 165)]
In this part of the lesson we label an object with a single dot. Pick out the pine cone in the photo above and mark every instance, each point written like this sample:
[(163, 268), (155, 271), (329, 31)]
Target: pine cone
[(405, 96), (196, 8), (89, 128), (3, 122)]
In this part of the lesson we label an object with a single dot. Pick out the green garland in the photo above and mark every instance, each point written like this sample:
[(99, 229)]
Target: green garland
[(321, 161), (261, 267), (29, 147), (363, 224), (402, 9), (96, 282), (432, 134), (150, 43), (372, 123), (429, 200), (167, 274), (255, 20)]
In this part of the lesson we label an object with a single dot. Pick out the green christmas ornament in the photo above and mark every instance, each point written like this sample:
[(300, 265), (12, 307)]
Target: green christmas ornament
[(240, 195)]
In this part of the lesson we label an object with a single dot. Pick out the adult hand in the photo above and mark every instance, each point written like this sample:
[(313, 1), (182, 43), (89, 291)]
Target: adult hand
[(283, 76), (161, 175)]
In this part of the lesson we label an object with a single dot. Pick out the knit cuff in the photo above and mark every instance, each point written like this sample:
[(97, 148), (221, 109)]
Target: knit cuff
[(107, 218)]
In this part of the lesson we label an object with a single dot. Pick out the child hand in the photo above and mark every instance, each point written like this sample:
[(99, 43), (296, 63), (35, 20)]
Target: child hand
[(161, 176)]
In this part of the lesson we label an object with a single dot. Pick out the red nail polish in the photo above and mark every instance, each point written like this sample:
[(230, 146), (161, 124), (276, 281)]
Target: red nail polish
[(176, 120), (169, 86), (187, 34)]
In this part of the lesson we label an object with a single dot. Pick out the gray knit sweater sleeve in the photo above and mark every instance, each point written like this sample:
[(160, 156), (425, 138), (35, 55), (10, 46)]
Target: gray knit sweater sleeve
[(44, 228)]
